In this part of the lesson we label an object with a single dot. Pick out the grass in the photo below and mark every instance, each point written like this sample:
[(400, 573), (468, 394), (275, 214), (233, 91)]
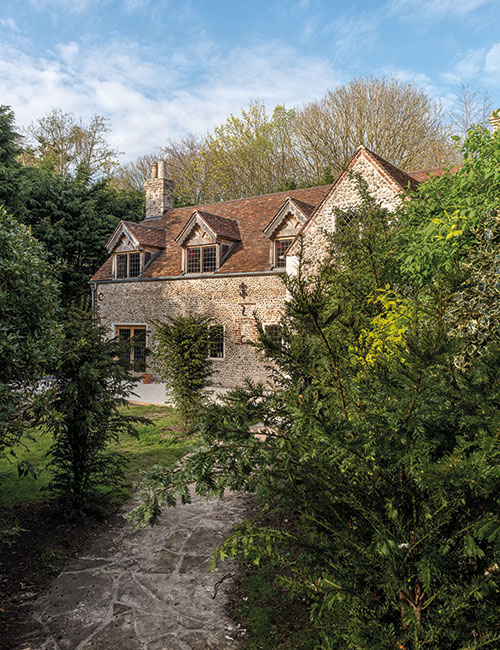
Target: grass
[(160, 442)]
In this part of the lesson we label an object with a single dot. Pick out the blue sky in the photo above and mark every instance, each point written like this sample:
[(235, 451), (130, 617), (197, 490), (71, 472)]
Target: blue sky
[(161, 68)]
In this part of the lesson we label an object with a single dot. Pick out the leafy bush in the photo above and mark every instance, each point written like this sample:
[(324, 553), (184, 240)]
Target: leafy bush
[(28, 327), (82, 411), (181, 355), (382, 436)]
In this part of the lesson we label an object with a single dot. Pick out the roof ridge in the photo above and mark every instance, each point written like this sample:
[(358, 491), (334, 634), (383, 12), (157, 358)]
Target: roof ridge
[(218, 216), (141, 224), (391, 169), (286, 193)]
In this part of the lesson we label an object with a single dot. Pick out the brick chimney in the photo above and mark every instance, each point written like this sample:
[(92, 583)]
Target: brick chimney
[(159, 192), (495, 120)]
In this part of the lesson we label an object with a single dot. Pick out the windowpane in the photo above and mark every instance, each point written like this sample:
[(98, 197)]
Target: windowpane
[(139, 350), (209, 259), (216, 342), (274, 333), (124, 335), (134, 265), (121, 266), (342, 222), (282, 245), (193, 260)]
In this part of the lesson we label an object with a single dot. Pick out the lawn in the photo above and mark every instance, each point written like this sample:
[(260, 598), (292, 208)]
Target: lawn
[(160, 442)]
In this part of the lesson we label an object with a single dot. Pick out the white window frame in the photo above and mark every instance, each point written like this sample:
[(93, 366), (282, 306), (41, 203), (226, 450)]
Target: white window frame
[(223, 343)]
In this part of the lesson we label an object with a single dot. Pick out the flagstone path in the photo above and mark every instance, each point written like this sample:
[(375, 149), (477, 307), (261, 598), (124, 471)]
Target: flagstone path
[(151, 590)]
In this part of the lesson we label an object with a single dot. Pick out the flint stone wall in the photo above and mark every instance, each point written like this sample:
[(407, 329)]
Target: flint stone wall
[(137, 303), (344, 196)]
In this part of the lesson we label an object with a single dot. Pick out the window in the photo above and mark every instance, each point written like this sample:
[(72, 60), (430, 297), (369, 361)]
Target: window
[(216, 342), (280, 248), (273, 332), (128, 265), (201, 259), (342, 221), (135, 351)]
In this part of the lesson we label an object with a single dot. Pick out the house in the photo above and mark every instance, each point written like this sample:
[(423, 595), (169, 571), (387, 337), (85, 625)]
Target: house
[(225, 260)]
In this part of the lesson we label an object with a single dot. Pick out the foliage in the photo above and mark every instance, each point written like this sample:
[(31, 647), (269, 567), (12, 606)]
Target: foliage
[(9, 166), (157, 441), (28, 327), (251, 154), (82, 413), (460, 201), (180, 347), (389, 464), (63, 145), (74, 219)]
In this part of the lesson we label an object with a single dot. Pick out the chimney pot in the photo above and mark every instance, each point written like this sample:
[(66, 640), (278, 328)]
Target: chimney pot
[(154, 170), (161, 169)]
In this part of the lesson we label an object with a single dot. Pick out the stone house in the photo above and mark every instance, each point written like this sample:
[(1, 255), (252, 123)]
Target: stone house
[(225, 260)]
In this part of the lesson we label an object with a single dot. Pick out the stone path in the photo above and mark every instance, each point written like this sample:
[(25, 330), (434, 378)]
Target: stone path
[(150, 591)]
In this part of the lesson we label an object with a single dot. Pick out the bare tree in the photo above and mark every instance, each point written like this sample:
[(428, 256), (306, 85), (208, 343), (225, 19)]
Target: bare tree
[(66, 146), (132, 175), (473, 107), (398, 121)]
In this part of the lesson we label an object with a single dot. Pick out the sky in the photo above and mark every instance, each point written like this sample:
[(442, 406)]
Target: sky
[(158, 69)]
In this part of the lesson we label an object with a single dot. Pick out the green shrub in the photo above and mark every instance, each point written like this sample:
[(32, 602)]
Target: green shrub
[(181, 346)]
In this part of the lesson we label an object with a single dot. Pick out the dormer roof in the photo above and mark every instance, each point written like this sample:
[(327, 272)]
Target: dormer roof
[(299, 209), (139, 235), (215, 227)]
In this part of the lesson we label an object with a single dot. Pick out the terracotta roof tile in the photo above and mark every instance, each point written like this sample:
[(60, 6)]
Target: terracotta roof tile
[(250, 215), (222, 226), (306, 208), (424, 174), (147, 235), (398, 175)]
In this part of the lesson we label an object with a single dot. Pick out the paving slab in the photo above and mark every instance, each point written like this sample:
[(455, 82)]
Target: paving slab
[(157, 393), (151, 590)]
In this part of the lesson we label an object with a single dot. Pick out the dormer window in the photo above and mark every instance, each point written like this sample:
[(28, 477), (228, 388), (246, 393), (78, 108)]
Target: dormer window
[(280, 248), (128, 265), (284, 228), (133, 247), (201, 259), (207, 240)]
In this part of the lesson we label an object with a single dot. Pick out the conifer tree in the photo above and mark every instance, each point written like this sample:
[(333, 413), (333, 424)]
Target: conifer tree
[(382, 437)]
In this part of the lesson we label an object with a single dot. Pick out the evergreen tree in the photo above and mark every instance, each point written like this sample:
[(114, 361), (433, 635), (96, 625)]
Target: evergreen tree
[(28, 326), (74, 219), (181, 347), (10, 168), (381, 436), (91, 381)]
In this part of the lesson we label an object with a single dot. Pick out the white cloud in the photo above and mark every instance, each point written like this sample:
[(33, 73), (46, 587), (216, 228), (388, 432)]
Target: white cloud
[(492, 63), (352, 35), (149, 99), (436, 92), (69, 6), (477, 68), (9, 24), (434, 9)]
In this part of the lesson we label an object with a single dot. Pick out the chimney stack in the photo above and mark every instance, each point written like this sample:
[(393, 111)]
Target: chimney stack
[(495, 120), (159, 192)]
